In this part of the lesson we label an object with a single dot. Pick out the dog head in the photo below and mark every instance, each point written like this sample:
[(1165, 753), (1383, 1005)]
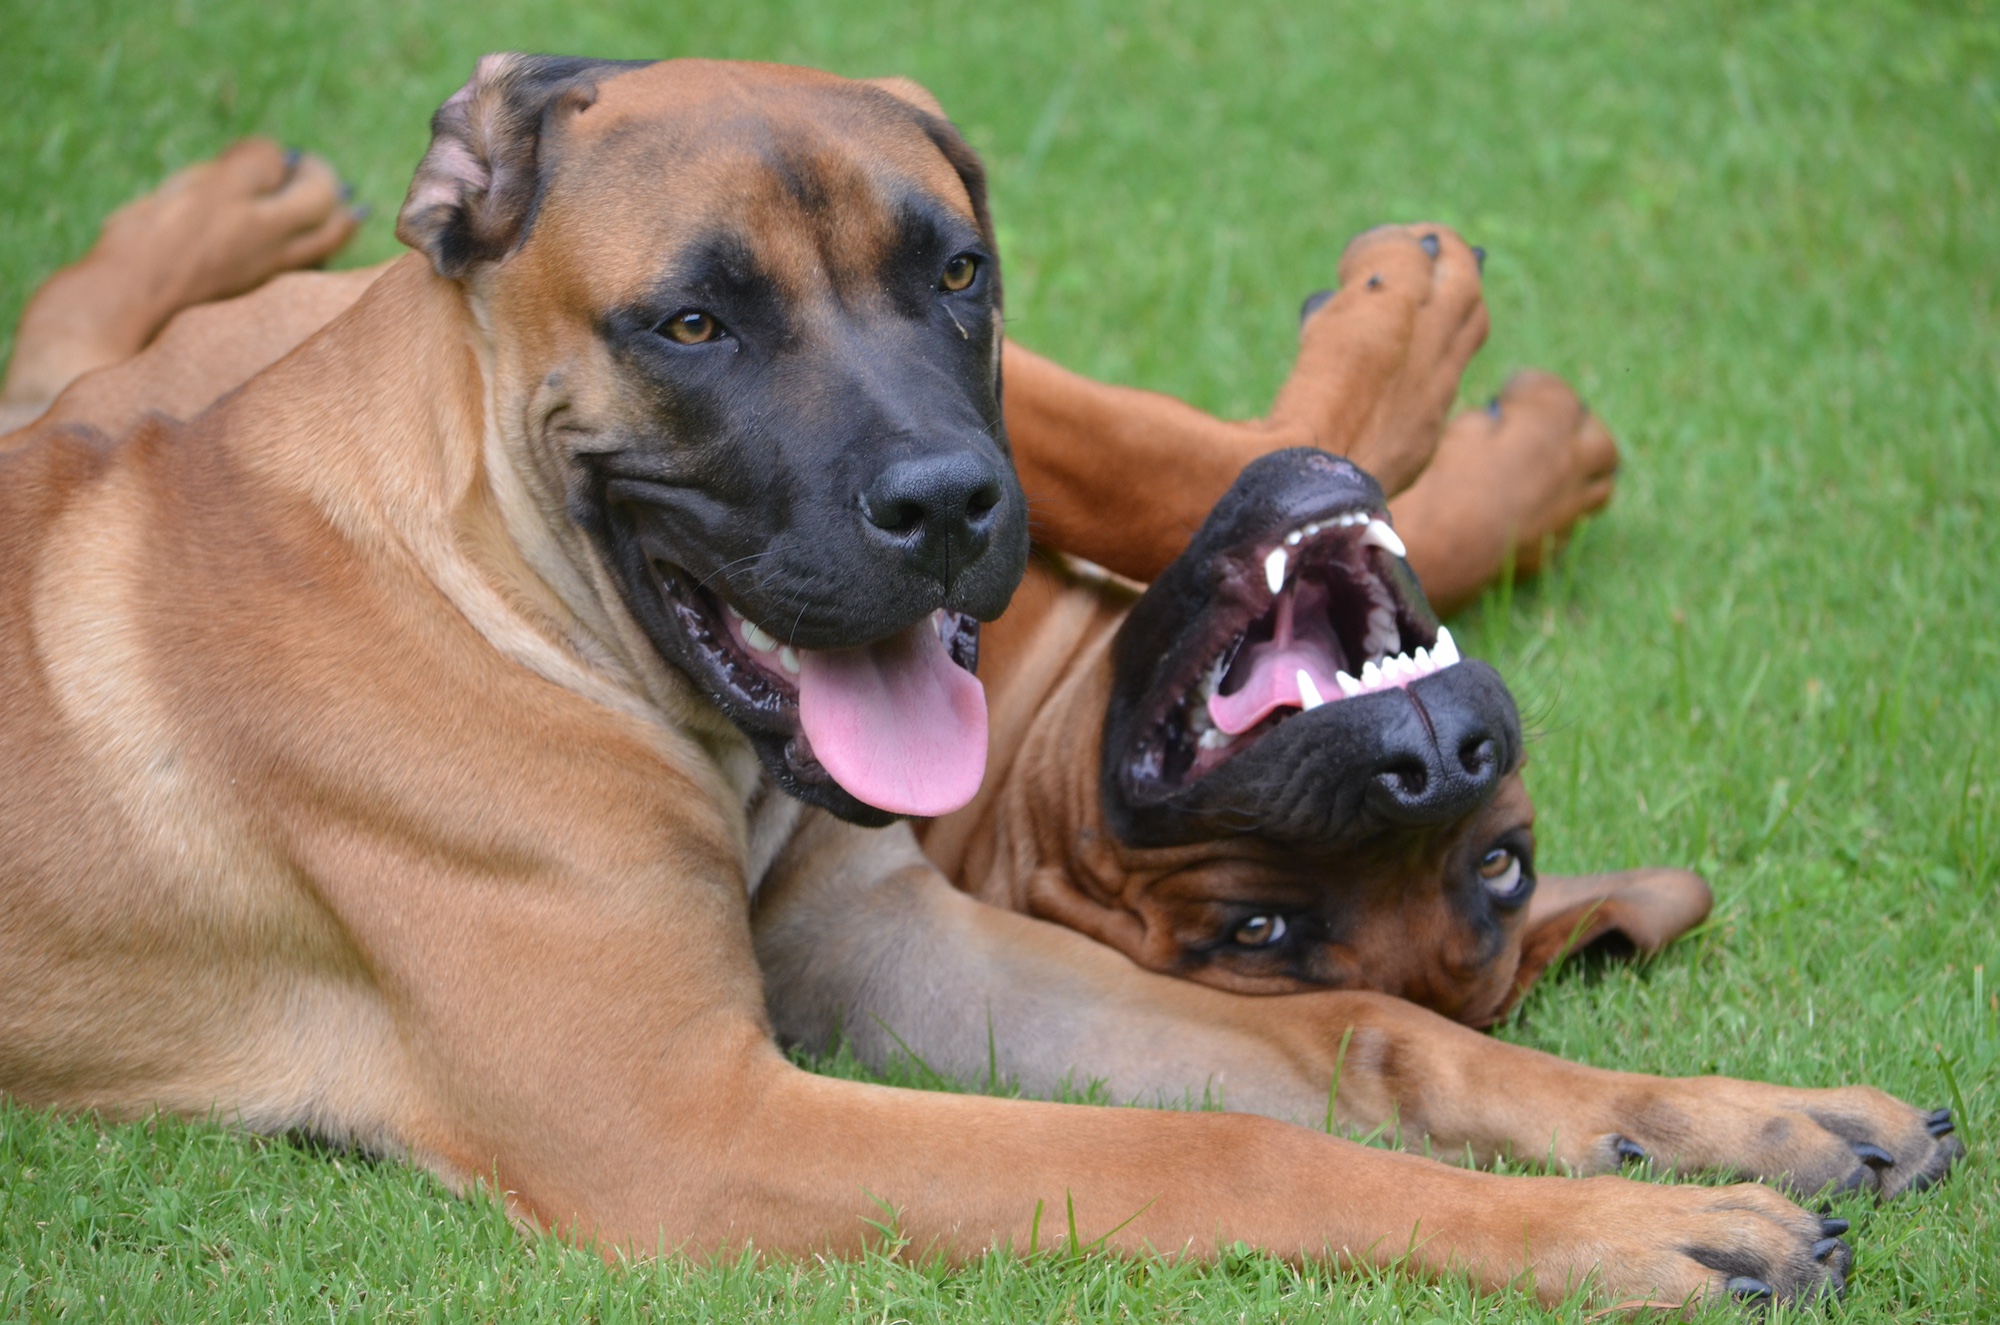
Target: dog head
[(1300, 784), (743, 325)]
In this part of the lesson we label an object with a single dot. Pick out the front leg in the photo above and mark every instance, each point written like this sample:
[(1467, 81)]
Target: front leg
[(858, 937)]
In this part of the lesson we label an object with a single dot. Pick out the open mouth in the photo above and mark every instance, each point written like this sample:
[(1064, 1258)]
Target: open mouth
[(1320, 612), (899, 723)]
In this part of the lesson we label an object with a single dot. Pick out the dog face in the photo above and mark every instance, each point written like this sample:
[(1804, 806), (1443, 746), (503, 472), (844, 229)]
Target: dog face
[(1300, 784), (745, 321)]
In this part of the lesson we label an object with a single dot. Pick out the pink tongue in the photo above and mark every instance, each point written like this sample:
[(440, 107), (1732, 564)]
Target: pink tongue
[(1273, 682), (898, 724)]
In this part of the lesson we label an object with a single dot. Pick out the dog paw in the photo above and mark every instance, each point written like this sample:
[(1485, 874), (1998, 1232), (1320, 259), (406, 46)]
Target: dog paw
[(1511, 479), (1848, 1139), (1380, 357), (1667, 1247)]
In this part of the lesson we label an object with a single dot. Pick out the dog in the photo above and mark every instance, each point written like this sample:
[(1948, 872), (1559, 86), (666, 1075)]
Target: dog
[(406, 765), (1385, 843)]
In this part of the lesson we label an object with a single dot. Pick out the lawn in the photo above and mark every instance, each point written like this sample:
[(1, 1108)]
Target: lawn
[(1763, 240)]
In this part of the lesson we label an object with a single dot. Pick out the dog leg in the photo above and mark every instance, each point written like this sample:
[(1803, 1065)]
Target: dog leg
[(1379, 363), (897, 962), (213, 230), (1512, 479)]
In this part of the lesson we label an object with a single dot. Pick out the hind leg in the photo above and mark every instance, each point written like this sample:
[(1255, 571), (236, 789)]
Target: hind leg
[(211, 231)]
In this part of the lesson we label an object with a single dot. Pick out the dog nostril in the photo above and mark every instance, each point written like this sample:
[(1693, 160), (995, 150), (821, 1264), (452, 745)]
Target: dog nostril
[(899, 517), (983, 499), (1479, 756), (1408, 779)]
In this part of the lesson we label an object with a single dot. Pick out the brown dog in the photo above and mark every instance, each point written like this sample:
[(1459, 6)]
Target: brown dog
[(402, 771), (1366, 854)]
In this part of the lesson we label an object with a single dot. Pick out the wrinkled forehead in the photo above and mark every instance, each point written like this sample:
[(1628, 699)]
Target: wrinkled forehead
[(813, 180)]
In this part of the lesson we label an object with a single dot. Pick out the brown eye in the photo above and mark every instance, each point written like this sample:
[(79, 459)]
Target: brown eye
[(958, 273), (1500, 871), (690, 326), (1261, 931)]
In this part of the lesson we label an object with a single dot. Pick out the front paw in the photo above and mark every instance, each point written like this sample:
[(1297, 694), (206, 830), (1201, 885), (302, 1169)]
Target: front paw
[(1665, 1247), (1852, 1138)]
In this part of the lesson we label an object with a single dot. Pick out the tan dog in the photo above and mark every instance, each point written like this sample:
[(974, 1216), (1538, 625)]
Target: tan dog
[(397, 779)]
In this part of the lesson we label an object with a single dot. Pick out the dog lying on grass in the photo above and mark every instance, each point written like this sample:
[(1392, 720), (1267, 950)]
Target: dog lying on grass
[(404, 765)]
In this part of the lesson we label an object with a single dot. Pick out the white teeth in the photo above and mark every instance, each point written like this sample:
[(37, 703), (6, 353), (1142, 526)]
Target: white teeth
[(1308, 692), (788, 659), (1311, 530), (1294, 538), (1424, 664), (1371, 676), (1274, 569), (1382, 536), (758, 638), (1445, 651), (1349, 686), (1213, 739), (734, 615)]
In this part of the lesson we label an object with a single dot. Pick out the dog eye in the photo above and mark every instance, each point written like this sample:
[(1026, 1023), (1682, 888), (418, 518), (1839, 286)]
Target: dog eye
[(690, 326), (1260, 931), (958, 273), (1500, 871)]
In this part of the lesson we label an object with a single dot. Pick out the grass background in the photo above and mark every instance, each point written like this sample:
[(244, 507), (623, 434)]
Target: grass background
[(1762, 238)]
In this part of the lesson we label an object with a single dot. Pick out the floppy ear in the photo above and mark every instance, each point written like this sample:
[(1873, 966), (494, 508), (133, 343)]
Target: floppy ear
[(474, 193), (1648, 909)]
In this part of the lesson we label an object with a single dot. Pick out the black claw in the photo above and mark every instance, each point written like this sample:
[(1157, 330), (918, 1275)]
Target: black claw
[(1825, 1247), (1940, 1123), (1832, 1228), (1628, 1150), (1744, 1286), (1430, 243), (1479, 256), (1314, 302), (1873, 1155), (1374, 282)]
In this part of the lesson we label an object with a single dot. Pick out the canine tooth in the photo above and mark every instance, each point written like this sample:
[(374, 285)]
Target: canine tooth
[(758, 638), (1382, 536), (1274, 569), (1309, 698), (1349, 686), (1445, 650), (788, 659)]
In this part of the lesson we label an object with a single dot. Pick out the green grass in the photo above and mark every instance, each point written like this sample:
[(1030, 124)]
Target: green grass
[(1765, 242)]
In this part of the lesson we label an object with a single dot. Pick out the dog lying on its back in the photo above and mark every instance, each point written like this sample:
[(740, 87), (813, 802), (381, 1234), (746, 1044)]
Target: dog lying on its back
[(1358, 823)]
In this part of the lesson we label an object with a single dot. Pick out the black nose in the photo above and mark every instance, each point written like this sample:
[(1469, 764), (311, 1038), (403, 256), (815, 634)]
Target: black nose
[(938, 511), (1441, 762)]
